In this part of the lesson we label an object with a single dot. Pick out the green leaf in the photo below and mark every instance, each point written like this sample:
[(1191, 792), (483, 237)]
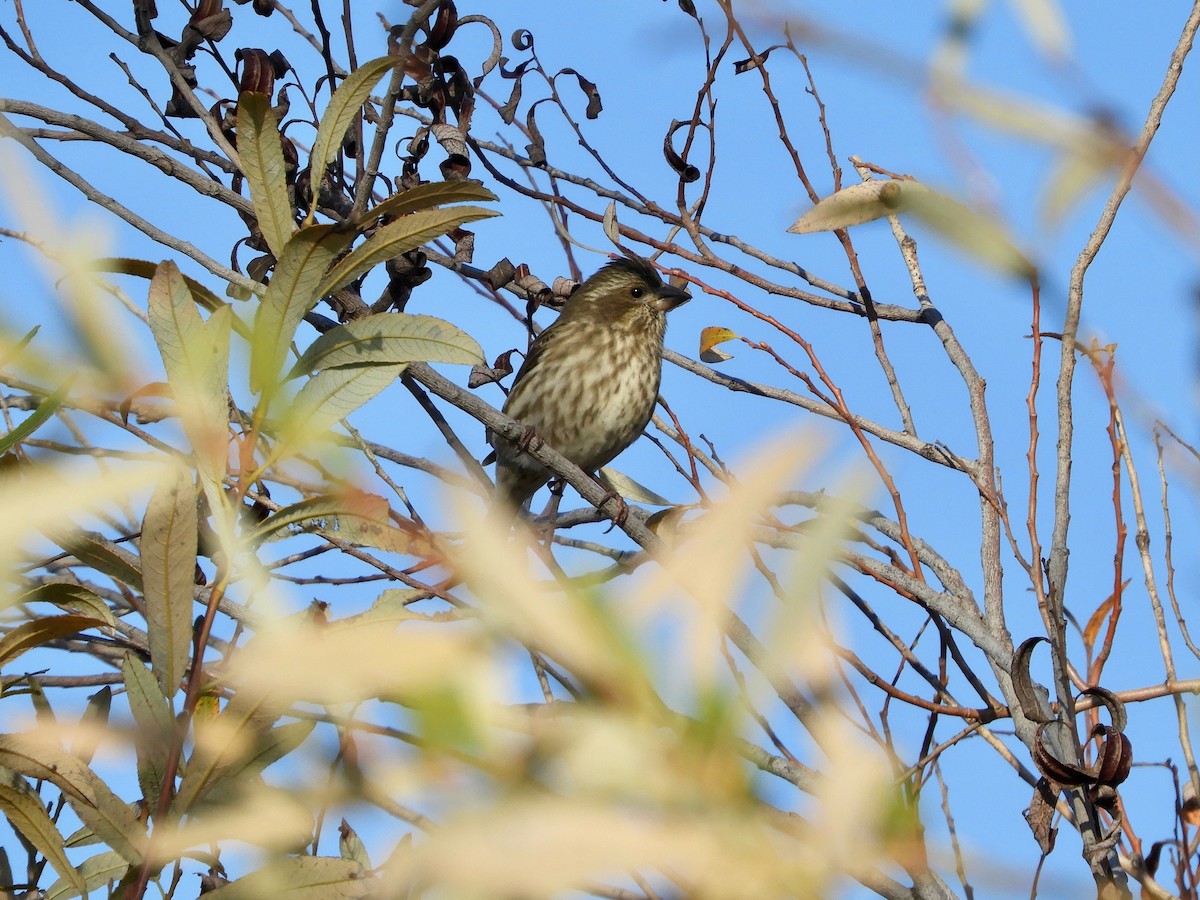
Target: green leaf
[(359, 531), (12, 352), (390, 338), (71, 596), (350, 845), (43, 711), (34, 420), (981, 235), (300, 878), (96, 806), (291, 293), (853, 205), (106, 558), (143, 268), (168, 573), (196, 357), (29, 635), (26, 812), (262, 163), (92, 725), (95, 872), (357, 504), (152, 713), (240, 724), (327, 398), (398, 237), (271, 747), (971, 230), (631, 489), (424, 196), (345, 104), (390, 608)]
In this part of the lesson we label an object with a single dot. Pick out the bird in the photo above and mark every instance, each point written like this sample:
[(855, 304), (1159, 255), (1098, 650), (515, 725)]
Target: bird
[(590, 380)]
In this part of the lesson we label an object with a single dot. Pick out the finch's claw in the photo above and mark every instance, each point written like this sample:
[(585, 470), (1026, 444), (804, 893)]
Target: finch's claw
[(622, 513), (530, 440)]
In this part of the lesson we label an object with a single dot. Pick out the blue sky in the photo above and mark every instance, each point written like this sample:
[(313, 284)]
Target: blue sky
[(643, 56)]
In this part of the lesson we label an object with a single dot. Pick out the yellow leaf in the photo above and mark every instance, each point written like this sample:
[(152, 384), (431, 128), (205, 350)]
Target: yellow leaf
[(710, 337)]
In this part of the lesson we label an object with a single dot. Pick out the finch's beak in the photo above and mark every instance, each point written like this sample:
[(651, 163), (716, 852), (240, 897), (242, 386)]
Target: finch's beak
[(670, 297)]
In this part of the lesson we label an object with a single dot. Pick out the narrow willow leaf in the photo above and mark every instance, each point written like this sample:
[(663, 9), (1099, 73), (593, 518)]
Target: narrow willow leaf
[(1073, 176), (10, 352), (270, 747), (95, 873), (390, 338), (389, 608), (347, 100), (424, 196), (631, 489), (92, 725), (26, 812), (152, 713), (980, 235), (1047, 26), (327, 398), (81, 837), (143, 268), (96, 806), (35, 420), (168, 574), (300, 878), (291, 293), (369, 506), (43, 711), (350, 845), (397, 237), (196, 357), (29, 635), (361, 532), (49, 499), (262, 163), (972, 231), (222, 742), (66, 594), (104, 557), (852, 205)]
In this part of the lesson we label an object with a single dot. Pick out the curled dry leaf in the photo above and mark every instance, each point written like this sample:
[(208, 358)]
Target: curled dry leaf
[(496, 372), (594, 106), (536, 148), (1115, 757), (710, 337), (747, 65), (612, 229), (443, 27), (1116, 709), (1040, 815), (1113, 760), (259, 71), (686, 171), (1031, 698), (1053, 768)]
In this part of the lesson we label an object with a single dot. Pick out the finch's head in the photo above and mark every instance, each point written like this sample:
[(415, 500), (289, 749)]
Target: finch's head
[(629, 286)]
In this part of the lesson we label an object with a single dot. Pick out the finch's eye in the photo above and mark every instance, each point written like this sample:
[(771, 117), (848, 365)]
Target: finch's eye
[(637, 292)]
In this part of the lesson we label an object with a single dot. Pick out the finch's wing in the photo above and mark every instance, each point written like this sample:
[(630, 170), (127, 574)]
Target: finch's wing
[(532, 355)]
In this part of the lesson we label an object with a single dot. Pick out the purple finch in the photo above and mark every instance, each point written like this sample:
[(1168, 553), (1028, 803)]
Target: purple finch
[(589, 382)]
